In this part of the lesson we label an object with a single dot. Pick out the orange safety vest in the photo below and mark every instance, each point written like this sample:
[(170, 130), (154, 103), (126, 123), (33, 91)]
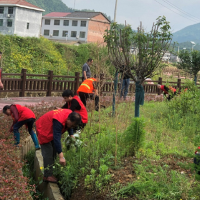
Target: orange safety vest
[(87, 86)]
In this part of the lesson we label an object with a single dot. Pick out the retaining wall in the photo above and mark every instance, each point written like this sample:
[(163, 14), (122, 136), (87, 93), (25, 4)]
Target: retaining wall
[(50, 190)]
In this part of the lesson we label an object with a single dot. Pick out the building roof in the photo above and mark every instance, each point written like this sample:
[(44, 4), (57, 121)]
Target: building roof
[(20, 3), (56, 14), (84, 14)]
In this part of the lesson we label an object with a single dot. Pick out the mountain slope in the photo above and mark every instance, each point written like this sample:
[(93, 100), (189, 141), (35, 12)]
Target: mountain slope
[(189, 33), (56, 6), (51, 5)]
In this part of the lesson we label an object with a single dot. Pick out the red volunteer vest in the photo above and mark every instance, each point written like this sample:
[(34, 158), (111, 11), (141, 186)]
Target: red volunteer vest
[(87, 86), (165, 91), (24, 113), (44, 125), (82, 111)]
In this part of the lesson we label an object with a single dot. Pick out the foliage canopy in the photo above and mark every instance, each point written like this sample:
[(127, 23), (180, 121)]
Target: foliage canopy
[(148, 48)]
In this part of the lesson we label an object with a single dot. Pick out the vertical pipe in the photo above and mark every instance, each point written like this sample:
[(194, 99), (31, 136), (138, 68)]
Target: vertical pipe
[(115, 11)]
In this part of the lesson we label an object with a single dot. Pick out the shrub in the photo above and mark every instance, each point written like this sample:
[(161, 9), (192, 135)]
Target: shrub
[(98, 181), (187, 102), (135, 135), (13, 184), (38, 55)]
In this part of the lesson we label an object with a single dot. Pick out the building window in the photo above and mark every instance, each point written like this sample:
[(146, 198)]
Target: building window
[(65, 33), (47, 22), (73, 34), (1, 22), (82, 34), (74, 23), (83, 23), (9, 22), (56, 22), (66, 23), (10, 10), (27, 26), (46, 32), (56, 33), (1, 10)]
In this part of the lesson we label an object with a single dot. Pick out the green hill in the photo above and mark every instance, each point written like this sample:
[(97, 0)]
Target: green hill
[(187, 45), (56, 6), (187, 34), (51, 5)]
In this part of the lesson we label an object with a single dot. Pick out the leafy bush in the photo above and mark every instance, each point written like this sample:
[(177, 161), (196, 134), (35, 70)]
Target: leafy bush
[(135, 135), (13, 183), (187, 102), (38, 55), (97, 181)]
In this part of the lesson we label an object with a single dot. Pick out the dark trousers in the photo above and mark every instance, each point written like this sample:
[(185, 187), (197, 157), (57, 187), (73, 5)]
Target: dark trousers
[(84, 96), (28, 122), (170, 96), (125, 85), (49, 156)]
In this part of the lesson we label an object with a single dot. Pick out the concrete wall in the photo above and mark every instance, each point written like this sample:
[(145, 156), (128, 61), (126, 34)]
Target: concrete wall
[(62, 28), (20, 18), (4, 29), (24, 16), (96, 29), (50, 190)]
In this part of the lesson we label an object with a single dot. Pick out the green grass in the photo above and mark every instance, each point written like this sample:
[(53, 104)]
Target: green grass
[(163, 165)]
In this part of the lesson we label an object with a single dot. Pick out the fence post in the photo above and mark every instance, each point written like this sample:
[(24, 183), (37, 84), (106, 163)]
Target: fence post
[(76, 80), (179, 84), (50, 79), (160, 83), (23, 83)]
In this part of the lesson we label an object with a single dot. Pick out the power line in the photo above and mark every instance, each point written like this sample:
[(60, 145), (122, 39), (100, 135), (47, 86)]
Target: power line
[(176, 12), (181, 10)]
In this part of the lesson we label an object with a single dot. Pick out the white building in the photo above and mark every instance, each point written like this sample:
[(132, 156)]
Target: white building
[(20, 17), (76, 26), (166, 57)]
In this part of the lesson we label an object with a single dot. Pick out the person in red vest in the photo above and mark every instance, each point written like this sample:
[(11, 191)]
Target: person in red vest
[(166, 90), (76, 105), (88, 89), (21, 115), (50, 128)]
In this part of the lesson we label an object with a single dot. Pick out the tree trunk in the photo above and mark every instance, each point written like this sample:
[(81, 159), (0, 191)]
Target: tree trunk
[(139, 98)]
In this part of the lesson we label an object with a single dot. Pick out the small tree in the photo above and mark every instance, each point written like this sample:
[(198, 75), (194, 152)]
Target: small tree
[(190, 62), (149, 49)]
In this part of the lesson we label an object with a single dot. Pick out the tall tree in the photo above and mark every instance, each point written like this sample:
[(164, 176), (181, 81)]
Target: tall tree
[(190, 62), (149, 49)]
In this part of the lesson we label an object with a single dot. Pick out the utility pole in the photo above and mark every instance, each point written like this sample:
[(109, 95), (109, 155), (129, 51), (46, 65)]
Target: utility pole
[(74, 4), (115, 11), (116, 73)]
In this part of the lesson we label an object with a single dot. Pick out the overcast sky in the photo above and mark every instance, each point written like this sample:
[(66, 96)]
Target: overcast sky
[(180, 13)]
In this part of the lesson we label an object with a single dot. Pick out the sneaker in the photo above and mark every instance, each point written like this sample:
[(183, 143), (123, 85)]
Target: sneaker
[(51, 179)]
